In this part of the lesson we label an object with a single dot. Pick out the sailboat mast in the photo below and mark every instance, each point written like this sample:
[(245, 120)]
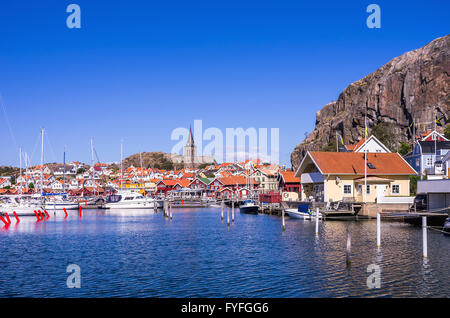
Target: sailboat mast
[(20, 169), (64, 169), (42, 161), (92, 163), (121, 166)]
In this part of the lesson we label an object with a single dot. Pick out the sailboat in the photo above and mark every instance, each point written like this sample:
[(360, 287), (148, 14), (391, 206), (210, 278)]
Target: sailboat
[(59, 201)]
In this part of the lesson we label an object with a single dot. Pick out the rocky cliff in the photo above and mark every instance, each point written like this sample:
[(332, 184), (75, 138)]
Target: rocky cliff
[(415, 85)]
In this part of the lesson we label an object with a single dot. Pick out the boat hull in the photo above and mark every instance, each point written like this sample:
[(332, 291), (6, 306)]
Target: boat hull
[(446, 228), (61, 206), (249, 209), (147, 205), (295, 214), (21, 211)]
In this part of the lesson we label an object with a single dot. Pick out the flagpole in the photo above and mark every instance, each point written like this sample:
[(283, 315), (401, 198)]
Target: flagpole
[(337, 143), (435, 135), (365, 158)]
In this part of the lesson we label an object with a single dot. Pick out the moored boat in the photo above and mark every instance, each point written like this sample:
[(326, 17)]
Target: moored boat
[(249, 207), (297, 214), (129, 200), (446, 228)]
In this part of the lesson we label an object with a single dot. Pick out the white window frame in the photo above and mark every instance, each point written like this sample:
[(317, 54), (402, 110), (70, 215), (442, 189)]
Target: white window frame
[(429, 161), (392, 188), (351, 189)]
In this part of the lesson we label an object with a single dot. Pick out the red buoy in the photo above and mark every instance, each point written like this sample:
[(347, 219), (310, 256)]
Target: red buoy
[(17, 218), (7, 218), (80, 211), (3, 220)]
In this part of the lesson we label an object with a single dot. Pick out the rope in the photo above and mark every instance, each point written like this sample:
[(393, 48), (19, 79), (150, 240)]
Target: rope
[(438, 230), (7, 122)]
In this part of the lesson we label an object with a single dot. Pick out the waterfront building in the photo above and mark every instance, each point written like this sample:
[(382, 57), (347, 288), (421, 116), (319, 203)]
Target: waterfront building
[(371, 144), (340, 176), (437, 192), (267, 178), (427, 152), (289, 185)]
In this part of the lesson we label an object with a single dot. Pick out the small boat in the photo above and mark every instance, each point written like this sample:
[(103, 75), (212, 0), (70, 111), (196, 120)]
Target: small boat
[(296, 214), (446, 228), (249, 207)]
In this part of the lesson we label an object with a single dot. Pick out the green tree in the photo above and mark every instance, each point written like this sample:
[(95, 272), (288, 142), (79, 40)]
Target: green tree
[(81, 170), (31, 185), (404, 148), (447, 132), (330, 147), (385, 132)]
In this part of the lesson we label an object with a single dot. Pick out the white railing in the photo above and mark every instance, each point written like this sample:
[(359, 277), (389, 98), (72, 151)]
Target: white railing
[(396, 200)]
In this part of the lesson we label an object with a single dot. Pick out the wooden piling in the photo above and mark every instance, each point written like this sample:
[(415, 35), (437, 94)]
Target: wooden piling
[(349, 248), (232, 211), (170, 209), (228, 216), (317, 221), (221, 211), (424, 237), (282, 221), (378, 229)]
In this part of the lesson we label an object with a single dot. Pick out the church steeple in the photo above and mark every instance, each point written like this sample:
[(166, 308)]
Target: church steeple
[(190, 151), (190, 141)]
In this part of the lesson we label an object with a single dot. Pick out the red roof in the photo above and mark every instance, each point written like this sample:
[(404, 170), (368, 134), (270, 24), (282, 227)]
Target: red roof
[(233, 180), (353, 163), (289, 177)]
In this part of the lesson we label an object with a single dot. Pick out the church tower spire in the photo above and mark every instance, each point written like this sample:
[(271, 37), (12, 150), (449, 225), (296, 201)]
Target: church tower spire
[(190, 151)]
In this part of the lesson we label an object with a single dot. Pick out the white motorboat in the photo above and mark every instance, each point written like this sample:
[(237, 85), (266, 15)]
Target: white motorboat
[(296, 214), (129, 200)]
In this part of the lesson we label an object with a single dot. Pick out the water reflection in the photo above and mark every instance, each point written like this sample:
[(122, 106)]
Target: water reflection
[(142, 254)]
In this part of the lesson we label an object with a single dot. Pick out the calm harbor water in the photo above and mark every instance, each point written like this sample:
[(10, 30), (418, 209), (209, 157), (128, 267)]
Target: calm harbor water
[(137, 254)]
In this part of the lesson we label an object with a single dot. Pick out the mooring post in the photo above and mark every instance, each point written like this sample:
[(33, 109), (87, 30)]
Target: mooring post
[(283, 221), (221, 211), (170, 209), (228, 216), (232, 211), (424, 235), (378, 229), (317, 221), (349, 247)]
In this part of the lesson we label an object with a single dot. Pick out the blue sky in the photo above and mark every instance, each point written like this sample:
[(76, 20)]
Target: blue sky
[(138, 69)]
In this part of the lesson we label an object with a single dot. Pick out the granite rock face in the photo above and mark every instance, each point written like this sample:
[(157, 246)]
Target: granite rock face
[(415, 85)]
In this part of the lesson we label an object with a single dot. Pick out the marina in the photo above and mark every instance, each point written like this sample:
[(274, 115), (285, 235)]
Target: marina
[(134, 253)]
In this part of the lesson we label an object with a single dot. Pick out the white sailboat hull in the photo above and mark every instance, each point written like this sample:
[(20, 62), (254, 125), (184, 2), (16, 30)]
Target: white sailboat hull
[(61, 206)]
